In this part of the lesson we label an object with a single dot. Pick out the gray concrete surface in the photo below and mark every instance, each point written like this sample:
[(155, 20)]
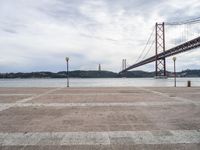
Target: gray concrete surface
[(100, 118)]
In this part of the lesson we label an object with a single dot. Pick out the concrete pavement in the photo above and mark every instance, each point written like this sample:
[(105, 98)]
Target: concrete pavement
[(100, 118)]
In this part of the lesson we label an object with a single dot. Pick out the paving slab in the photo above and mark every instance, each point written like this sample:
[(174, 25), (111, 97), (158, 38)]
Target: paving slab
[(12, 98), (192, 96), (175, 89), (100, 118), (25, 90), (52, 119), (105, 98), (99, 90)]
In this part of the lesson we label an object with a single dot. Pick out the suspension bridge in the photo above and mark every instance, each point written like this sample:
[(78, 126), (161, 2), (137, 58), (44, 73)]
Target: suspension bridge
[(185, 36)]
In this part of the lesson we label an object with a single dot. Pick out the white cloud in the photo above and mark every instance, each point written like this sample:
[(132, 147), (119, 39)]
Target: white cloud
[(38, 34)]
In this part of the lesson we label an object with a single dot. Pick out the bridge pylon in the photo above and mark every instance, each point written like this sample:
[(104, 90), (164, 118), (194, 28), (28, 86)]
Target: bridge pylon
[(160, 64)]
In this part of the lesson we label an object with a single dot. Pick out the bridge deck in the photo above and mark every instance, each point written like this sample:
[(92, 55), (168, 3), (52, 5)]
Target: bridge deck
[(189, 45), (100, 118)]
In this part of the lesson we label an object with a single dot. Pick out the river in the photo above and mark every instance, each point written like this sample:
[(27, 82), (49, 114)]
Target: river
[(98, 82)]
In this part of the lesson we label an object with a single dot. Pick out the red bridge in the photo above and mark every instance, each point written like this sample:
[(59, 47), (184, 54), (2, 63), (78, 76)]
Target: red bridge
[(161, 53)]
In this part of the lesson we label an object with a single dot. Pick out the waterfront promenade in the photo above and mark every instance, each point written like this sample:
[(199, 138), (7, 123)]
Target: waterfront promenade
[(100, 118)]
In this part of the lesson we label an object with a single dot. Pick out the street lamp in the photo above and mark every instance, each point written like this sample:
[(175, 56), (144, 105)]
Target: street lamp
[(67, 60), (174, 59)]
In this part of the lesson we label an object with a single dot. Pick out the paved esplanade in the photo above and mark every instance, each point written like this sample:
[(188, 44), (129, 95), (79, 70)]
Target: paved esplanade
[(100, 118)]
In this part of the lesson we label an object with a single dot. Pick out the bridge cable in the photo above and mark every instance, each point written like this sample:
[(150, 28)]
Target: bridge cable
[(189, 21), (145, 46), (152, 43), (183, 28)]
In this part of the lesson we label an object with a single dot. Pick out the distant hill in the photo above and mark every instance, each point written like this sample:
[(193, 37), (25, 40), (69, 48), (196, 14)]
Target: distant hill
[(61, 74), (96, 74)]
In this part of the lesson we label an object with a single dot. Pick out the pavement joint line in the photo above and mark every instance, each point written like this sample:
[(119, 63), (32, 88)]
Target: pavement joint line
[(16, 94), (7, 106), (4, 106), (166, 95), (100, 138), (80, 94), (39, 95)]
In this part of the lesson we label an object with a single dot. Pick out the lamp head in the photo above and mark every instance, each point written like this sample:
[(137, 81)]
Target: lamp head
[(67, 58), (174, 58)]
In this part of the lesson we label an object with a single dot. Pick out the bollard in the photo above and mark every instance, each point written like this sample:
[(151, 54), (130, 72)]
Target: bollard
[(189, 84)]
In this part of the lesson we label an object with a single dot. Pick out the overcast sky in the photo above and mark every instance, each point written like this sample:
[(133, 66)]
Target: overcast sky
[(37, 35)]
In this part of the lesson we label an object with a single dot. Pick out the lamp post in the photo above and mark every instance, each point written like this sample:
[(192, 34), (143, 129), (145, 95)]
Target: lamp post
[(174, 59), (67, 60)]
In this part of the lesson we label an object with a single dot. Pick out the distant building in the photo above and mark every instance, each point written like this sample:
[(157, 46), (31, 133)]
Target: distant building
[(123, 64), (99, 68)]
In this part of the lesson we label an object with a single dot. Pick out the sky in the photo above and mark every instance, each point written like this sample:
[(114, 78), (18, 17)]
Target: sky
[(37, 35)]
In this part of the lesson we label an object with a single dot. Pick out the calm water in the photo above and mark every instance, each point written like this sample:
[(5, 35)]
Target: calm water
[(108, 82)]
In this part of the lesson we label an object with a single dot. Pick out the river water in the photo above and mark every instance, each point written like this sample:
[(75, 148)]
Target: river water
[(98, 82)]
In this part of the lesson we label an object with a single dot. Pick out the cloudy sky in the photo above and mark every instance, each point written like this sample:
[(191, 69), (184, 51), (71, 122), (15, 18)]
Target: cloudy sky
[(37, 35)]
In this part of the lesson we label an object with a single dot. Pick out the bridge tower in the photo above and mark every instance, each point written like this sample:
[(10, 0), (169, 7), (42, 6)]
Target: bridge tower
[(160, 65)]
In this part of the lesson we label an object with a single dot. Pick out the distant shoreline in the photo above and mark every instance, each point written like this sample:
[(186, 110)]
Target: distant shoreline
[(94, 74)]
